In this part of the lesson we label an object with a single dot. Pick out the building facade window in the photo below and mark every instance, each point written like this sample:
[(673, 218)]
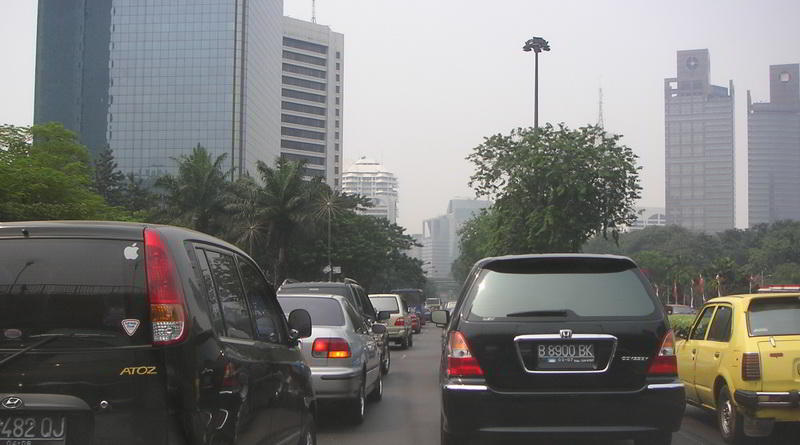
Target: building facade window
[(297, 69), (291, 106), (305, 146), (285, 131), (308, 46), (288, 80), (292, 119), (304, 58), (313, 160), (294, 94)]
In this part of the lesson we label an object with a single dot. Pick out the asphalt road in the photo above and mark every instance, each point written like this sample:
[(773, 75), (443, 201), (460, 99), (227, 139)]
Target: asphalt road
[(409, 411)]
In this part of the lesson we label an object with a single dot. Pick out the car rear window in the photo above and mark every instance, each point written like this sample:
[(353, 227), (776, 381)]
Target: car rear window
[(73, 286), (385, 304), (323, 311), (774, 316), (560, 289)]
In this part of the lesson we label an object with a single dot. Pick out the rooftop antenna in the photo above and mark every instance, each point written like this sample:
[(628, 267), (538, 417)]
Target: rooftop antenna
[(600, 122), (313, 11)]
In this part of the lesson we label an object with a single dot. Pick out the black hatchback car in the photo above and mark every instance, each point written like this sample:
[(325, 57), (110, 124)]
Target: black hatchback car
[(123, 333), (558, 345)]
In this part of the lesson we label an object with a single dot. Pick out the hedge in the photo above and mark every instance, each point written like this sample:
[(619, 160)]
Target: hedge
[(681, 324)]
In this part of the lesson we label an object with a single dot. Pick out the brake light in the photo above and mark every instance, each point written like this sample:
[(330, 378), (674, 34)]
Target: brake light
[(751, 366), (229, 375), (460, 362), (665, 362), (167, 304), (400, 322), (330, 348)]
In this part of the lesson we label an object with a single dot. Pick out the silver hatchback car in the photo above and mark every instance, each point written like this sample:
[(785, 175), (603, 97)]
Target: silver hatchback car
[(343, 355)]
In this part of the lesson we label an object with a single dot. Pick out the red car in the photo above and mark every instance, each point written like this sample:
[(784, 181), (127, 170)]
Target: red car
[(415, 323)]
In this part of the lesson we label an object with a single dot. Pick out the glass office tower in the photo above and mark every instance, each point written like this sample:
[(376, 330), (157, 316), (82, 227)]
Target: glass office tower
[(152, 79)]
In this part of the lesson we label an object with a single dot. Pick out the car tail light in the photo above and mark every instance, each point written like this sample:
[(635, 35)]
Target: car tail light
[(665, 362), (330, 348), (460, 362), (229, 376), (400, 322), (167, 304), (751, 366)]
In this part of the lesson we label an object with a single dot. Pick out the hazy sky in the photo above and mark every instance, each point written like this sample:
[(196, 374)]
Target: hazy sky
[(426, 80)]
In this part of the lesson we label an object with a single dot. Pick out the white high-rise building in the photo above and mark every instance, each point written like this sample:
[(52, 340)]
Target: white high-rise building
[(370, 178), (311, 98)]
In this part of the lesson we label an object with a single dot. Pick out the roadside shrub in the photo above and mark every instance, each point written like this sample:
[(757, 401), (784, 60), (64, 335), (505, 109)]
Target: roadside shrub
[(681, 324)]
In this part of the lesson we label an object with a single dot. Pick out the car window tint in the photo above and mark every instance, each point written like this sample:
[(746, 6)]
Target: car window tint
[(215, 311), (385, 304), (266, 313), (700, 328), (774, 316), (721, 326), (614, 293), (231, 295), (90, 285), (323, 311), (355, 318)]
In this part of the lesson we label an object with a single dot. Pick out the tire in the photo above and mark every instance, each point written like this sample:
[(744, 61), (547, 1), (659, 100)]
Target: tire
[(405, 343), (659, 438), (358, 407), (377, 393), (309, 436), (410, 340), (729, 421), (387, 361)]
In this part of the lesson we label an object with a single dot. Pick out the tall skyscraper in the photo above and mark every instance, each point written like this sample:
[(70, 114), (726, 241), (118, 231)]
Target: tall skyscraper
[(151, 80), (699, 133), (440, 238), (773, 149), (311, 105), (370, 178)]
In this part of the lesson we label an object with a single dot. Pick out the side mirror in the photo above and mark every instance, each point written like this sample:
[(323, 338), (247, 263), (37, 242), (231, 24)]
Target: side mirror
[(300, 321), (440, 318), (378, 329), (384, 315)]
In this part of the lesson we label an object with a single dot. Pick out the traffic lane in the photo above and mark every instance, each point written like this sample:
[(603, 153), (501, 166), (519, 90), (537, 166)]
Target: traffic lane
[(409, 411)]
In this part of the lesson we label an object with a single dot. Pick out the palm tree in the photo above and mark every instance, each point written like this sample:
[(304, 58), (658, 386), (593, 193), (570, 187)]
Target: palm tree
[(246, 226), (283, 204), (194, 197), (328, 204)]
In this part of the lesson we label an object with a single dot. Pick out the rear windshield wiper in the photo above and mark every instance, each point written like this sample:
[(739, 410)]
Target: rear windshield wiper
[(47, 337), (550, 313)]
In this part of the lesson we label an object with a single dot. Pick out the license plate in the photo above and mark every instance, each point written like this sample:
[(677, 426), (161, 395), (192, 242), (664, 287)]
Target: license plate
[(33, 430), (565, 356)]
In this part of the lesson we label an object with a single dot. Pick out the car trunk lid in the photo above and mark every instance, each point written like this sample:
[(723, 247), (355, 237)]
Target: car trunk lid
[(775, 321)]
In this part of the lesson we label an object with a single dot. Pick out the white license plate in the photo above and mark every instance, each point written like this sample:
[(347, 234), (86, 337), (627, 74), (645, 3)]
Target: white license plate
[(565, 356), (30, 430)]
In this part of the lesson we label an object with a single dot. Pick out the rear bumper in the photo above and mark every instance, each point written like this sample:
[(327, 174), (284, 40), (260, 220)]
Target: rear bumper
[(336, 383), (477, 409), (757, 399), (399, 333)]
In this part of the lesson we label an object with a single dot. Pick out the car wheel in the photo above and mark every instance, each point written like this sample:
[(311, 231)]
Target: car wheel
[(309, 436), (386, 362), (659, 438), (377, 393), (358, 405), (410, 340), (445, 438), (731, 425), (404, 343)]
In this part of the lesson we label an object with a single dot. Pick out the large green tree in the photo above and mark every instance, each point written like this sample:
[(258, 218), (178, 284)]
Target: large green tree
[(195, 196), (45, 174), (553, 188), (108, 181)]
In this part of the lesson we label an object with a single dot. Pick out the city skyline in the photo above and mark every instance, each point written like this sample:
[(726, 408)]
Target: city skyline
[(435, 89)]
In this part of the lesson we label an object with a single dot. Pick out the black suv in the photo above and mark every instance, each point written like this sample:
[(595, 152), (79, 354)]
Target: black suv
[(356, 295), (123, 333), (558, 345)]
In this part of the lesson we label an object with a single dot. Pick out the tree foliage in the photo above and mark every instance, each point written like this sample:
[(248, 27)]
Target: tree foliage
[(553, 188), (45, 174), (108, 181)]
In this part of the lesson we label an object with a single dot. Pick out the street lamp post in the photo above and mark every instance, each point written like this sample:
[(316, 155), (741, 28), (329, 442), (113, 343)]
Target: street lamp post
[(537, 45)]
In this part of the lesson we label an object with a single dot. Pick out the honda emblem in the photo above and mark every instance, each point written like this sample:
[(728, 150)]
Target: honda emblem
[(566, 333), (11, 402)]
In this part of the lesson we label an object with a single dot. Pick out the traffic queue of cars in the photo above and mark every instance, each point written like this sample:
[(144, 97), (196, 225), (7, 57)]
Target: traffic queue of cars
[(130, 333), (541, 345)]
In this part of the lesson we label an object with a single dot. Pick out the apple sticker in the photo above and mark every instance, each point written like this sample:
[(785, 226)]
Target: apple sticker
[(131, 252)]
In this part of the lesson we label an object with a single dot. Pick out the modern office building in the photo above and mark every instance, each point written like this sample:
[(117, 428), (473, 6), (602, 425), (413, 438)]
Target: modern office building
[(311, 102), (370, 178), (648, 217), (440, 238), (773, 149), (152, 80), (699, 152)]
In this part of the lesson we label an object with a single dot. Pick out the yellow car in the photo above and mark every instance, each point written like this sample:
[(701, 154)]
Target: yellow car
[(742, 360)]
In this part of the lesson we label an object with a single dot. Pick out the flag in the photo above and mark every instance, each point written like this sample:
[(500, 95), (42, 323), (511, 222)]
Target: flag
[(702, 288)]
